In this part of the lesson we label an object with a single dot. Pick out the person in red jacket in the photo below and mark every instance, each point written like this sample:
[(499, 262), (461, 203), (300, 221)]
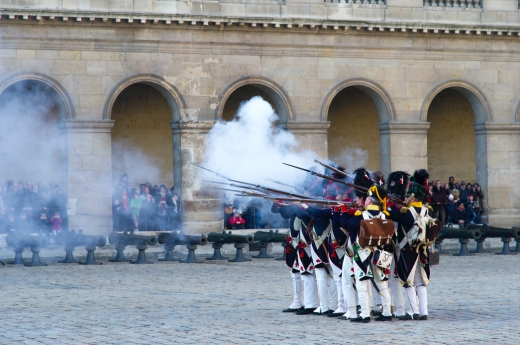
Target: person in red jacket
[(236, 221)]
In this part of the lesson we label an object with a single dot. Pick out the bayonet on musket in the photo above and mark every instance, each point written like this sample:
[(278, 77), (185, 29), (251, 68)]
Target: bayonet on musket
[(331, 168), (274, 191), (320, 202), (211, 171), (285, 184), (355, 186)]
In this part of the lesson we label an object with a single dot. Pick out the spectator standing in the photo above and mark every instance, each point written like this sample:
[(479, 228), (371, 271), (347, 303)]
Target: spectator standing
[(463, 192), (438, 201), (56, 222), (147, 215), (478, 196), (451, 183), (236, 221), (43, 224), (58, 203), (470, 212), (135, 207), (175, 211), (161, 200)]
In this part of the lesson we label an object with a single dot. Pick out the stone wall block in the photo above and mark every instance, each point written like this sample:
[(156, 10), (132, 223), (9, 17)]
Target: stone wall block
[(499, 160), (69, 67), (97, 162), (498, 198)]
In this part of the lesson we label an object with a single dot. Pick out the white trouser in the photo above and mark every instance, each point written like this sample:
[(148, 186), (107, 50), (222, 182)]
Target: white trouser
[(326, 291), (310, 299), (341, 308), (396, 289), (384, 291), (297, 291), (347, 284), (418, 290)]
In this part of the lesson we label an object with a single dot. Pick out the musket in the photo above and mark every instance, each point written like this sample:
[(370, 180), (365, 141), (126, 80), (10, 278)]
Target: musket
[(216, 173), (331, 168), (285, 184), (355, 186), (320, 202), (274, 191), (243, 192), (231, 184)]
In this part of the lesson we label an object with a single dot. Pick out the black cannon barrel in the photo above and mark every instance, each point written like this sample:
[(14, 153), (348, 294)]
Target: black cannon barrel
[(228, 237), (495, 231), (14, 239), (178, 238), (181, 238), (129, 239), (73, 239), (269, 236), (447, 233), (164, 237)]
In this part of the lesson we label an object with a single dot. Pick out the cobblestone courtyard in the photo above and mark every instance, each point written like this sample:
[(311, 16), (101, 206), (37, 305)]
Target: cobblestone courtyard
[(473, 300)]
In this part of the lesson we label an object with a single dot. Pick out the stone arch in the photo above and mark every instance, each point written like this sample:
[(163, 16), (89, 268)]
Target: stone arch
[(274, 90), (168, 91), (378, 95), (474, 96), (60, 95)]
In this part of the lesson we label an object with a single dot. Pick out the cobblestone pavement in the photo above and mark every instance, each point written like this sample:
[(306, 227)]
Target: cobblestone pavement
[(473, 300)]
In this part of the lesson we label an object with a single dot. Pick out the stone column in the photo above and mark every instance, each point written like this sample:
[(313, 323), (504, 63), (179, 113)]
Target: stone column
[(202, 211), (312, 135), (87, 147), (498, 171), (403, 146)]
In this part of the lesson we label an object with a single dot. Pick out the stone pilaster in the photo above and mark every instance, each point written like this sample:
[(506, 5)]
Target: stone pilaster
[(202, 211), (312, 135), (403, 146), (498, 171), (88, 174)]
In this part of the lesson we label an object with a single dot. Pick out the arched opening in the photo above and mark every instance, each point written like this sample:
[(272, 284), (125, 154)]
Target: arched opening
[(244, 94), (353, 137), (32, 148), (142, 137), (451, 138)]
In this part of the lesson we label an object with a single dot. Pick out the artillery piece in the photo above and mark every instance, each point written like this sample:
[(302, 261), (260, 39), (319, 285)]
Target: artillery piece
[(263, 238), (141, 242), (175, 238), (20, 241), (464, 235), (71, 240), (220, 238)]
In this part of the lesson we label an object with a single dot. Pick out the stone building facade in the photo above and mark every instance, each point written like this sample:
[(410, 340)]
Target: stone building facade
[(432, 83)]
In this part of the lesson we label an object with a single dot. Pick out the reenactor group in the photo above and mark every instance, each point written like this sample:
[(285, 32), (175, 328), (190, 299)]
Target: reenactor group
[(366, 252)]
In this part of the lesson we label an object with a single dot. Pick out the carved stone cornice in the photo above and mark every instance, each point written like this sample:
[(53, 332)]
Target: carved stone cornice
[(86, 126), (192, 127), (501, 128), (403, 128), (306, 127)]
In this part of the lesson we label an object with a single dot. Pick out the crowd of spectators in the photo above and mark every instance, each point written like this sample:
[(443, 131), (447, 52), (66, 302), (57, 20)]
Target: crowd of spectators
[(249, 213), (457, 203), (27, 208), (147, 208)]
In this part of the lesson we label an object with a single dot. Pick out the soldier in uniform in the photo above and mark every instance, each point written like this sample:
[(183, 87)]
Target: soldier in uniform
[(364, 271), (412, 266), (397, 185), (291, 254)]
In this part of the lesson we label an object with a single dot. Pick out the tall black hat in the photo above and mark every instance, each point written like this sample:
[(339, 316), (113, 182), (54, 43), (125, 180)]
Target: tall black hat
[(419, 185), (379, 178), (397, 184), (362, 179)]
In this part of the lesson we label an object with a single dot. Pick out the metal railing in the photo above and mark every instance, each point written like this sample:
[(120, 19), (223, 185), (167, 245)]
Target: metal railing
[(454, 3)]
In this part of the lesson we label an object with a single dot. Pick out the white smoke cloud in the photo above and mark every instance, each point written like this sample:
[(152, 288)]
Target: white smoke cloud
[(250, 148), (30, 140)]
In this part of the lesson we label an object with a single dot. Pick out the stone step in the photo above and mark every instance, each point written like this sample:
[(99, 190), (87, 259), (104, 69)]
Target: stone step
[(203, 216), (203, 205), (197, 228)]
